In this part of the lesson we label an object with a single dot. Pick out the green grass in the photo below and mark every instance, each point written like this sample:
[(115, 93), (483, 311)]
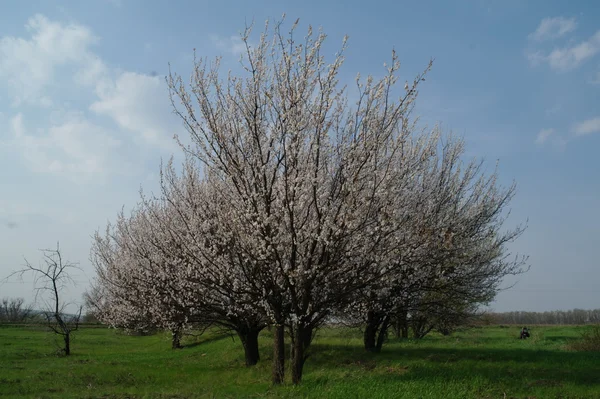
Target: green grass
[(485, 362)]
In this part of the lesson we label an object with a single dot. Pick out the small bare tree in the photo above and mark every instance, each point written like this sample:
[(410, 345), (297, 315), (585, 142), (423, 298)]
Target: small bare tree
[(52, 278)]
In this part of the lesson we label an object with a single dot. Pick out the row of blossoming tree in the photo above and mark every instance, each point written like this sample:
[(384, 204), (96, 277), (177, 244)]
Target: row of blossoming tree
[(296, 206)]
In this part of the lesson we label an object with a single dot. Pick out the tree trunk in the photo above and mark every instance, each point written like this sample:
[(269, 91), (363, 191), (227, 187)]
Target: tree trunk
[(67, 338), (397, 327), (278, 354), (371, 328), (249, 338), (401, 329), (402, 324), (301, 339), (382, 333), (176, 334), (420, 328), (297, 360)]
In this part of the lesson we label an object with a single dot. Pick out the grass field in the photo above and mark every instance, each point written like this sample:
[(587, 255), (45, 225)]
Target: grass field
[(487, 362)]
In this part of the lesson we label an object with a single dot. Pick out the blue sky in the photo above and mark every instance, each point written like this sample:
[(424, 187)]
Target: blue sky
[(85, 117)]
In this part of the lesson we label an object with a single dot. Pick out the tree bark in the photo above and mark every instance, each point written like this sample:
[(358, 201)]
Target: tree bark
[(421, 329), (176, 334), (376, 330), (278, 354), (249, 338), (369, 338), (67, 338), (370, 334), (301, 339), (405, 330), (382, 333), (402, 324)]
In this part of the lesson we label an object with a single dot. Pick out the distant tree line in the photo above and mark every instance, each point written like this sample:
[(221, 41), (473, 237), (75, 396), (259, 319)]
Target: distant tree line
[(14, 310), (575, 316)]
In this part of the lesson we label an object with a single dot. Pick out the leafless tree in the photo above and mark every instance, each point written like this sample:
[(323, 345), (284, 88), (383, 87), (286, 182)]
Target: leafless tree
[(51, 279), (14, 310)]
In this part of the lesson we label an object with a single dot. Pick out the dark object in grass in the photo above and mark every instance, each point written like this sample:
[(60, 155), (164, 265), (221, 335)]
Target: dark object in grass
[(524, 333)]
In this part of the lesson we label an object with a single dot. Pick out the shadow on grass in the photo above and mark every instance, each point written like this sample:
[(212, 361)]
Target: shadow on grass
[(555, 338), (524, 367), (206, 340)]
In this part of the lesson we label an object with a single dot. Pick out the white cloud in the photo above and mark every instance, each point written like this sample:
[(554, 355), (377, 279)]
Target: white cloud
[(560, 142), (543, 135), (552, 28), (57, 158), (232, 44), (75, 148), (566, 58), (535, 57), (138, 103), (28, 66), (64, 138), (587, 127), (95, 72)]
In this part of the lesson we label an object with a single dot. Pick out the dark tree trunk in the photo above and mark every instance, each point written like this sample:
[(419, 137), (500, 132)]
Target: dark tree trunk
[(67, 338), (420, 328), (445, 331), (382, 333), (297, 361), (301, 339), (249, 338), (405, 330), (278, 354), (402, 324), (176, 334), (370, 335)]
